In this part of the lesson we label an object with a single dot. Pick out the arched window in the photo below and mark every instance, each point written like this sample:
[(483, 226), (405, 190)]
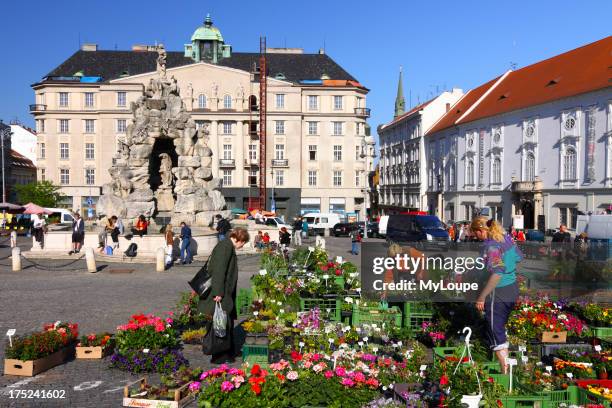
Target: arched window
[(569, 164), (227, 102), (469, 173), (530, 167), (451, 175), (202, 101), (497, 170), (253, 103)]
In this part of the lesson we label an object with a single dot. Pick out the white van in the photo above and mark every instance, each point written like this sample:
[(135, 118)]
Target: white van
[(65, 216), (318, 222)]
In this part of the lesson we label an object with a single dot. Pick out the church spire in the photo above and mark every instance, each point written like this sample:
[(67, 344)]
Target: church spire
[(400, 101)]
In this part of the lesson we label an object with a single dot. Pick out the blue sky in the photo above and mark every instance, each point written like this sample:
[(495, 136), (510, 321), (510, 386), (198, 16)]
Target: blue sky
[(440, 44)]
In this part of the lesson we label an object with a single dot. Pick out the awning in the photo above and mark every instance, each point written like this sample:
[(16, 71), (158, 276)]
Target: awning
[(238, 211)]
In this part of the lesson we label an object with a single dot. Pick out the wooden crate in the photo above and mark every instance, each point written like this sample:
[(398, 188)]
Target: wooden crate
[(97, 352), (554, 337), (182, 397), (31, 368)]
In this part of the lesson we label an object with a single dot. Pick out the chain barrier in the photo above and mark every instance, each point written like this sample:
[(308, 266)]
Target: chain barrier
[(56, 267)]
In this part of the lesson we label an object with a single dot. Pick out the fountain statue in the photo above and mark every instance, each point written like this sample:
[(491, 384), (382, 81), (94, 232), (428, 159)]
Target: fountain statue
[(164, 164)]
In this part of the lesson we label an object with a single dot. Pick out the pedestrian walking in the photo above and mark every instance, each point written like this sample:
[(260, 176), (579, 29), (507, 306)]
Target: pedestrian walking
[(297, 231), (78, 234), (38, 227), (169, 237), (223, 227), (223, 270), (355, 241), (185, 243)]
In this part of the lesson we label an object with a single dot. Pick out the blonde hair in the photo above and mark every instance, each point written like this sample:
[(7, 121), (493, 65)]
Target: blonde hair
[(394, 249), (493, 228)]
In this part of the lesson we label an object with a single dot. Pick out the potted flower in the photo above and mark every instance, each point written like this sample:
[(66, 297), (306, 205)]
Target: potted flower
[(38, 352), (194, 336), (255, 332), (174, 391), (95, 346), (347, 307)]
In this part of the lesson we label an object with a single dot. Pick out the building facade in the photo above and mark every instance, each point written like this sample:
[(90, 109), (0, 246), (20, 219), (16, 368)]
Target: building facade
[(24, 141), (316, 121), (533, 144), (402, 186)]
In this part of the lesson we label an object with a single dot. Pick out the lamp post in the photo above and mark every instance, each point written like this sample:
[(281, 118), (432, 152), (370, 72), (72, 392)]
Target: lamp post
[(6, 133), (367, 143)]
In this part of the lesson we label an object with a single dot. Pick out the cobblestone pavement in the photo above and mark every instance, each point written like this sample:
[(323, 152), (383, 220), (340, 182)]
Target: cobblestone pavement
[(98, 302)]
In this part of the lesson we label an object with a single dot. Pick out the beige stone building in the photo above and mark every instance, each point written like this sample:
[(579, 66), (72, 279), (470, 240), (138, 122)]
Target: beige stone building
[(316, 116)]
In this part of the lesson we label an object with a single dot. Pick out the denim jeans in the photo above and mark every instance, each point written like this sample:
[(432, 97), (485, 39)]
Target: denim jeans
[(185, 252), (355, 248)]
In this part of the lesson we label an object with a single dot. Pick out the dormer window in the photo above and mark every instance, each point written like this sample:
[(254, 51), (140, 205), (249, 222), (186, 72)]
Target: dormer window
[(280, 75)]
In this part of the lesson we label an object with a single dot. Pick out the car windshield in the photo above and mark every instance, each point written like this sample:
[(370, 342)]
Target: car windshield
[(429, 222)]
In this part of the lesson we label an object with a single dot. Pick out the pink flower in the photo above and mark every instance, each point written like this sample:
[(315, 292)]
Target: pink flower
[(235, 371), (227, 386), (204, 375), (194, 386), (292, 375), (340, 372), (372, 382), (237, 380), (328, 374), (359, 377), (347, 382), (169, 320), (307, 364)]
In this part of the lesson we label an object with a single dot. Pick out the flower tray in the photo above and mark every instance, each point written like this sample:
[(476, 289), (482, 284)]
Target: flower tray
[(329, 308), (31, 368), (554, 337), (548, 349), (97, 352), (366, 315), (182, 397), (603, 333), (586, 397)]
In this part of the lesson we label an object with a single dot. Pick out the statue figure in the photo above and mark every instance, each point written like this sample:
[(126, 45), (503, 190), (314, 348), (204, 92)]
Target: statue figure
[(215, 90), (173, 88), (161, 60), (190, 95), (165, 170), (124, 152)]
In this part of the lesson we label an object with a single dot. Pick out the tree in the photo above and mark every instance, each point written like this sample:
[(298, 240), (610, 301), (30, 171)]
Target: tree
[(43, 193)]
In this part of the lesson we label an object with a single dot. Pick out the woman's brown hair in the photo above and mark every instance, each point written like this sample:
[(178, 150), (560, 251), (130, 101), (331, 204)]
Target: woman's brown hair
[(493, 228), (240, 235)]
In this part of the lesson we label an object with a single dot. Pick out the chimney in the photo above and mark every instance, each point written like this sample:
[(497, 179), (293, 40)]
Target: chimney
[(322, 51), (89, 47)]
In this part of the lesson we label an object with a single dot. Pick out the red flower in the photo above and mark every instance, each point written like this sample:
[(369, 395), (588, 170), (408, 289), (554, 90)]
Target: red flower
[(295, 356), (444, 380), (256, 370), (491, 380), (499, 404), (256, 388), (338, 272)]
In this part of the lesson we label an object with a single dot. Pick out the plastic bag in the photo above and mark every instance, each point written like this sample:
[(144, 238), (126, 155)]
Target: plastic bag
[(219, 321)]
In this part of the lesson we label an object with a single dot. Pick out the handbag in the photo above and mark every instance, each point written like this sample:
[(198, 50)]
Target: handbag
[(202, 281)]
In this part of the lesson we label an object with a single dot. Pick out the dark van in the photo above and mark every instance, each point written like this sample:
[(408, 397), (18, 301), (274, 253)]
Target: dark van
[(415, 228)]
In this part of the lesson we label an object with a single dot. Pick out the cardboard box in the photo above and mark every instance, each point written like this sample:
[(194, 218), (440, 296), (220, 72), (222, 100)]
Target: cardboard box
[(92, 352), (554, 337), (182, 397), (32, 367)]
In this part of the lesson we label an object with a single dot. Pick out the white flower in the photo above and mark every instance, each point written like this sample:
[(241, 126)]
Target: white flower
[(384, 388), (374, 325), (327, 330), (377, 329), (263, 272), (358, 290), (399, 343), (277, 317), (255, 313), (316, 280), (391, 385), (281, 311), (145, 351), (278, 302), (353, 274)]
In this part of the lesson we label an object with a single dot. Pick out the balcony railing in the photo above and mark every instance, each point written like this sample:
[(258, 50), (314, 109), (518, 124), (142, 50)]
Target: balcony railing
[(251, 162), (280, 162), (363, 112), (527, 186), (227, 163), (37, 107)]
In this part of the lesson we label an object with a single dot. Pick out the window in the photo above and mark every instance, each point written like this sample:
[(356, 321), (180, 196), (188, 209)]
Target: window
[(90, 177), (63, 99), (40, 125), (43, 151), (89, 151), (470, 211), (64, 151), (279, 177), (312, 152), (497, 170), (313, 128), (312, 178), (530, 167), (280, 127), (357, 178), (121, 98), (313, 102), (89, 99), (202, 101), (280, 101), (451, 175), (496, 213), (43, 175), (227, 128), (357, 152), (227, 178), (337, 178), (279, 151), (64, 176), (469, 174), (64, 126), (252, 177), (227, 151), (337, 153), (337, 102), (252, 152), (569, 164), (227, 102), (89, 126), (337, 128), (121, 125), (568, 216)]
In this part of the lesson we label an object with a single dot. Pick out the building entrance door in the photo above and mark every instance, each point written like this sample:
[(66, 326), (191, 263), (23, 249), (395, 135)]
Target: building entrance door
[(528, 215)]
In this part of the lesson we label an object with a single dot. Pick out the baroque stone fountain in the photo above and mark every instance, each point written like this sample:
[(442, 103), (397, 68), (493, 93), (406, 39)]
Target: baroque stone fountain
[(163, 167)]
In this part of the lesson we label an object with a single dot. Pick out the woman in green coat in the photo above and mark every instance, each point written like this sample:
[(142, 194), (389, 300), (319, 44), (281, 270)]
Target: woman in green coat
[(223, 269)]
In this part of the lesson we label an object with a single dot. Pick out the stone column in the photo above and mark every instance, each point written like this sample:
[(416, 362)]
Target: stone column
[(239, 155)]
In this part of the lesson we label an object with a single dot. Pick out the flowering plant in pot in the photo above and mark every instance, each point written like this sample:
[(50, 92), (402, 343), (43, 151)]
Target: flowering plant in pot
[(52, 338), (187, 315), (146, 332), (432, 334)]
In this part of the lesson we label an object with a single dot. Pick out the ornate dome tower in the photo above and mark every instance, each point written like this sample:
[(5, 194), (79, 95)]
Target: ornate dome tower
[(207, 44)]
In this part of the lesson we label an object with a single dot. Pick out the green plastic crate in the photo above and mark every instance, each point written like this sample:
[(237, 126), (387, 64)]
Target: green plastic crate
[(244, 299), (604, 333), (566, 397), (330, 308), (416, 313), (440, 353), (368, 315), (254, 350), (525, 401), (417, 307)]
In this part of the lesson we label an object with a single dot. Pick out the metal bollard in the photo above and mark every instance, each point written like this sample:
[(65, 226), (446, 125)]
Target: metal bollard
[(160, 264), (326, 232), (91, 260), (16, 255)]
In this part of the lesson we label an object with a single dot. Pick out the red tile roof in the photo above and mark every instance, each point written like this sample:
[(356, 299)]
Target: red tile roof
[(584, 69), (461, 107), (19, 160), (410, 112)]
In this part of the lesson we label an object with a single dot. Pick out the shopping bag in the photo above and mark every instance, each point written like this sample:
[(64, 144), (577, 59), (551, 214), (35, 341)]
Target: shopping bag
[(219, 321), (211, 344)]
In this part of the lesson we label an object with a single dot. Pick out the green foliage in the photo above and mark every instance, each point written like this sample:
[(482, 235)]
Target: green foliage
[(194, 336), (43, 193), (187, 314), (36, 346), (146, 337)]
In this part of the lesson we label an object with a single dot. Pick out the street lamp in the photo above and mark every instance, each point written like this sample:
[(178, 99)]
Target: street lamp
[(6, 134), (366, 144)]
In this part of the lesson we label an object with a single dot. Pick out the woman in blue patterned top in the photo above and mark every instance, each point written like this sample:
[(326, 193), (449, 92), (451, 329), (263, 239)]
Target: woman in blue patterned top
[(497, 299)]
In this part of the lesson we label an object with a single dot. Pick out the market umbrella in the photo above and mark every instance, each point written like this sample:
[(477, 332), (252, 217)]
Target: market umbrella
[(238, 211), (31, 208), (10, 208)]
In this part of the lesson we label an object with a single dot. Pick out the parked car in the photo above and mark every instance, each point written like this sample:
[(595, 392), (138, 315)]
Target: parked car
[(318, 222), (414, 228), (343, 229), (277, 222), (372, 229)]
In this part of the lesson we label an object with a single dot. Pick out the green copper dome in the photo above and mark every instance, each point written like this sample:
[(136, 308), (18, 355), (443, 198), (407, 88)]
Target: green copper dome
[(207, 32)]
